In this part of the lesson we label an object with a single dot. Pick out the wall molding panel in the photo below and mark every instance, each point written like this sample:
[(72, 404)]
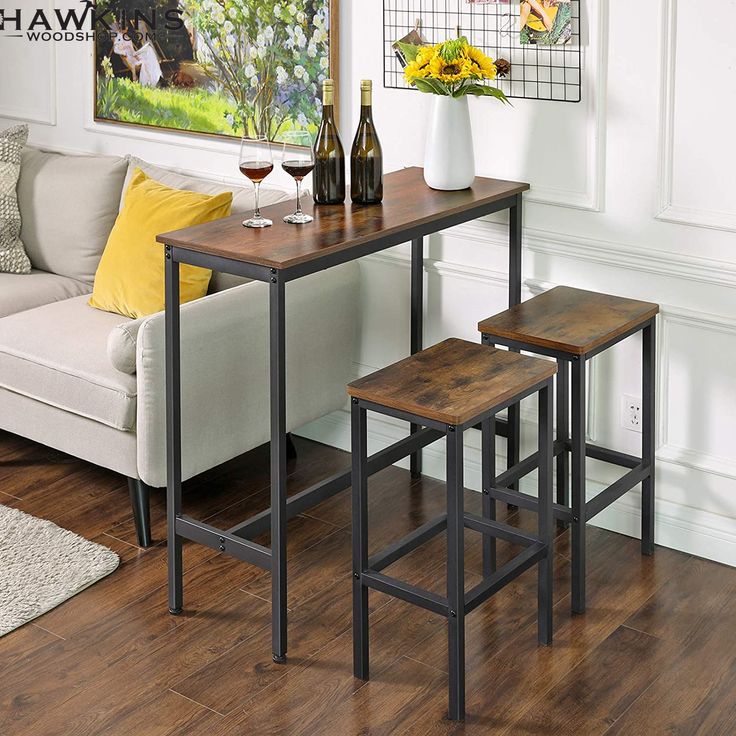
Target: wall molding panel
[(595, 76), (667, 209)]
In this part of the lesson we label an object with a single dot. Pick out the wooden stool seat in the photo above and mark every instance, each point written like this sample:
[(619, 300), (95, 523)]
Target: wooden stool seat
[(452, 382), (570, 320)]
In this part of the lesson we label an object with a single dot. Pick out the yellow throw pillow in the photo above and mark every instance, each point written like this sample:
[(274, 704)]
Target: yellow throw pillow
[(130, 277)]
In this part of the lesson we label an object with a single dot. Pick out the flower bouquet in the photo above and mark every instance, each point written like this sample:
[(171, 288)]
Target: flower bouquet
[(450, 71)]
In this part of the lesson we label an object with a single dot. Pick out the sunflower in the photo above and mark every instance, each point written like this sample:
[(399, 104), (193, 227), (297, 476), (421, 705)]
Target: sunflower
[(419, 68), (452, 71), (482, 65)]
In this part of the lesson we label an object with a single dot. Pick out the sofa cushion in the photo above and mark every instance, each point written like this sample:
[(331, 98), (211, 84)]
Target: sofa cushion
[(121, 345), (21, 292), (68, 205), (57, 354), (13, 258)]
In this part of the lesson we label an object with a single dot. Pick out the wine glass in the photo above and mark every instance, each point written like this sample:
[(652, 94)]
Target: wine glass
[(298, 161), (256, 162)]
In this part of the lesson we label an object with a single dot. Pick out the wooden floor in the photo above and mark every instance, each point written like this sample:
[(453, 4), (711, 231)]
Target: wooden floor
[(655, 653)]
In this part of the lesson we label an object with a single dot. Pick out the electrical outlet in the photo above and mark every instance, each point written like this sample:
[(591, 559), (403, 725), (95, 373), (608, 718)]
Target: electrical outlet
[(631, 413)]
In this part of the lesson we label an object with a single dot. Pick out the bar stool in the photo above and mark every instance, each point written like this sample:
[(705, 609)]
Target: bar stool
[(573, 326), (451, 387)]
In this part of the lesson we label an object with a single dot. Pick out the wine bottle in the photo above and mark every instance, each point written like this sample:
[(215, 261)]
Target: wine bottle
[(366, 158), (329, 169)]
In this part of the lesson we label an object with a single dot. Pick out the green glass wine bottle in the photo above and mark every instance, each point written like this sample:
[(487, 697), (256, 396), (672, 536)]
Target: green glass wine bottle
[(366, 158), (329, 155)]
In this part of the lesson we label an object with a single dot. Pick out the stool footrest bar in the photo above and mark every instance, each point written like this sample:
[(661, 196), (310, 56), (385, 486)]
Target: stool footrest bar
[(242, 549), (611, 456), (527, 465), (504, 575), (408, 543), (524, 501), (409, 593), (499, 530), (623, 485)]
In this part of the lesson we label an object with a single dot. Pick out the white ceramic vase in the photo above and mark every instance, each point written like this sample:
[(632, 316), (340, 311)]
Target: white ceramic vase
[(449, 162)]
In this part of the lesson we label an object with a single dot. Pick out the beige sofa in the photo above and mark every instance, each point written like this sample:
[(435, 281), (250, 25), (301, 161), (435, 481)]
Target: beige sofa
[(91, 383)]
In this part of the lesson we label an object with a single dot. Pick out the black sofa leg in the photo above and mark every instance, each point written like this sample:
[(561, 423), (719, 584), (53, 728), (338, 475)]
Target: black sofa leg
[(291, 453), (140, 495)]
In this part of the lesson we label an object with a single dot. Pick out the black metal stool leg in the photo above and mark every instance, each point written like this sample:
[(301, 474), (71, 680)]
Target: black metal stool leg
[(360, 539), (488, 479), (578, 485), (545, 515), (649, 338), (455, 573), (562, 463)]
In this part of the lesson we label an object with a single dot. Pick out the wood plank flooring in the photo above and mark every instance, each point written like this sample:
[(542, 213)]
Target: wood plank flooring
[(654, 654)]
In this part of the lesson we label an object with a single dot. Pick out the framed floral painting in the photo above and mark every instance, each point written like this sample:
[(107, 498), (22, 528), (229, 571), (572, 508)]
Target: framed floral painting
[(215, 67)]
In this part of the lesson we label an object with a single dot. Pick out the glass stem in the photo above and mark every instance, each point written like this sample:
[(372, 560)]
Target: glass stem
[(257, 213), (298, 196)]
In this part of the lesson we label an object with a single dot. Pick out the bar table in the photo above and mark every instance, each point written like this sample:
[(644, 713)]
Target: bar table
[(282, 253)]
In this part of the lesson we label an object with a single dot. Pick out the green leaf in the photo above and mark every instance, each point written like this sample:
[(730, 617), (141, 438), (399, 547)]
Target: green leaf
[(432, 86), (482, 90), (409, 50)]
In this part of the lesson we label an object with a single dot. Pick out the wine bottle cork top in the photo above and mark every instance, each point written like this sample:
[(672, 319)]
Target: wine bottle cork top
[(327, 83), (366, 84)]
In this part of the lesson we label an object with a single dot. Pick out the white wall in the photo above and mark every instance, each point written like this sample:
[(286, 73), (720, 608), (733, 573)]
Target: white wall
[(633, 193)]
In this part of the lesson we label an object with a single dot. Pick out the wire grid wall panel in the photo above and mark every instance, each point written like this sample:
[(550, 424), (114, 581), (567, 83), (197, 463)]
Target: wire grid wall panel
[(537, 72)]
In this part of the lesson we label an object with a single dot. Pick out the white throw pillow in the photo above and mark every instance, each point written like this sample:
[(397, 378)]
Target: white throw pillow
[(68, 205)]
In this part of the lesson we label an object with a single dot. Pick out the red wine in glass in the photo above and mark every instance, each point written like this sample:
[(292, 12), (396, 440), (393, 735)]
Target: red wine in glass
[(256, 162), (298, 160), (256, 171), (297, 169)]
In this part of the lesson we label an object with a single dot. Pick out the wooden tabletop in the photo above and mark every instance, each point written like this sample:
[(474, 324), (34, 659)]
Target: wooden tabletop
[(454, 381), (408, 202)]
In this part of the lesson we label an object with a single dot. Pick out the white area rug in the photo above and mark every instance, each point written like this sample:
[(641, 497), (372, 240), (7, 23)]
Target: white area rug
[(42, 565)]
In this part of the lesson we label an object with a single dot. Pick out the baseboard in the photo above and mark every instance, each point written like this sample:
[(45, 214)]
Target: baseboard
[(679, 527)]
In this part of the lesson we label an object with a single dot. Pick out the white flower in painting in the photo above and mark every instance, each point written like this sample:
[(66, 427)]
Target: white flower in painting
[(219, 17), (250, 72), (233, 13), (312, 50), (301, 17), (300, 72), (253, 52), (261, 39), (268, 34), (281, 75), (301, 118), (254, 82), (292, 9), (229, 27), (324, 63), (277, 11), (320, 35)]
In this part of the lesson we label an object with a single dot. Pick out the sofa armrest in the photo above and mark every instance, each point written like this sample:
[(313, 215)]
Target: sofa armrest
[(225, 368)]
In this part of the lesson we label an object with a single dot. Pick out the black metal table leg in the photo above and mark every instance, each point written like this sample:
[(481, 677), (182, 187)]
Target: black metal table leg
[(514, 412), (173, 430), (578, 484), (455, 574), (360, 539), (563, 431), (417, 326), (545, 515), (488, 480), (649, 341), (277, 318)]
